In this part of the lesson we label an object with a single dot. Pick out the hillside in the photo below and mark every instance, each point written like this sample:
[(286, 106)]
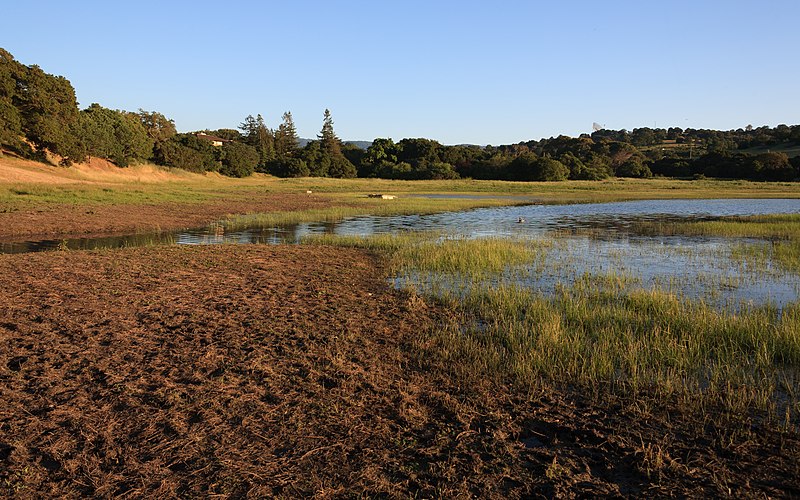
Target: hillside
[(15, 170), (790, 149)]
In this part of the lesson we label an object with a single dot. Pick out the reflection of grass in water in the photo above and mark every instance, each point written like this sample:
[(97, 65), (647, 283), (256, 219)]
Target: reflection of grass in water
[(599, 331), (111, 242), (353, 206)]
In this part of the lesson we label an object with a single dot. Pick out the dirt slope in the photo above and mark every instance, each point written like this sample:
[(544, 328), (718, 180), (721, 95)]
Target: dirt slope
[(15, 170)]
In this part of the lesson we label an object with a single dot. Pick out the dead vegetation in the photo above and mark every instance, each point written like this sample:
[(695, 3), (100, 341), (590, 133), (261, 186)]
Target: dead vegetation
[(267, 371)]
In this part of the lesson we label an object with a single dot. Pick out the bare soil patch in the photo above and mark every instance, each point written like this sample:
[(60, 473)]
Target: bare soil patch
[(81, 220), (289, 371)]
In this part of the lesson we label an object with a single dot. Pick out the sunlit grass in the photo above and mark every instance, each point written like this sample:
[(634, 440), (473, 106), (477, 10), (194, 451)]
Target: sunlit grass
[(442, 254), (22, 196), (777, 226), (600, 331)]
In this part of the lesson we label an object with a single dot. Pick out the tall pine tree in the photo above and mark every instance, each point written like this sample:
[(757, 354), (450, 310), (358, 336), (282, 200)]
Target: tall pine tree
[(286, 139), (331, 151), (329, 142), (258, 135)]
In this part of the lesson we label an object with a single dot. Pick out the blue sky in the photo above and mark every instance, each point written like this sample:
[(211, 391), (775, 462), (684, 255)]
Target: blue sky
[(459, 72)]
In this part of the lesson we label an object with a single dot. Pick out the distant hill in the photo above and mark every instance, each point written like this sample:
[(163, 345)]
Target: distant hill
[(789, 149), (361, 144)]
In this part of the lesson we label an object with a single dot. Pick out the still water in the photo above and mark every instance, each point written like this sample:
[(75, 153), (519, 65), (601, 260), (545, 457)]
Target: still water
[(586, 238)]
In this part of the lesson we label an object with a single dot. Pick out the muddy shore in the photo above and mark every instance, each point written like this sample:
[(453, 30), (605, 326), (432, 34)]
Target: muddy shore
[(263, 371), (65, 220)]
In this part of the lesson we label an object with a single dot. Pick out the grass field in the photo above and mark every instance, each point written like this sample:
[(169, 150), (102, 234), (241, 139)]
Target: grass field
[(25, 184)]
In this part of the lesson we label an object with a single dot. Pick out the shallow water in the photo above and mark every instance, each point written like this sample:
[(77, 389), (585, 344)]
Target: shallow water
[(592, 238), (694, 268)]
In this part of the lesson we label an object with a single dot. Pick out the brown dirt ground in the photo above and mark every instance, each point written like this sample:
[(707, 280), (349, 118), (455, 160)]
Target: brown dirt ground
[(72, 220), (263, 371)]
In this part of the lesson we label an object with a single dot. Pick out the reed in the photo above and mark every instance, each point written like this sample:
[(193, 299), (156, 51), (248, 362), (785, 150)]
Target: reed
[(782, 232), (601, 331)]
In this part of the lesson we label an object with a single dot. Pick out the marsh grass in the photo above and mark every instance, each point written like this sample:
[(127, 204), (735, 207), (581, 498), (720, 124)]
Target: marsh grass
[(782, 232), (777, 226), (443, 254), (601, 331)]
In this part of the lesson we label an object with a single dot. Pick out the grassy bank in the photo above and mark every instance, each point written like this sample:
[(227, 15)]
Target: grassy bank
[(200, 188), (598, 333)]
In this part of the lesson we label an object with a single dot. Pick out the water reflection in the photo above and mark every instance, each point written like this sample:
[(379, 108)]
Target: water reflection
[(606, 220), (591, 238)]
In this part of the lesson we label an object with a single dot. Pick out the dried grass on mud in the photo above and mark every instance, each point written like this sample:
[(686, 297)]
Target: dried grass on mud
[(294, 371), (81, 219), (75, 220)]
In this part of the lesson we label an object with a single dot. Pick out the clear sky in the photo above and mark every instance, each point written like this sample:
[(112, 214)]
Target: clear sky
[(480, 72)]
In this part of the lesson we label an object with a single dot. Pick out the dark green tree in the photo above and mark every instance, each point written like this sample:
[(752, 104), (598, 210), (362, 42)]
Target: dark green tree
[(549, 169), (286, 140), (416, 151), (329, 143), (380, 153), (523, 168), (317, 162), (529, 167), (634, 167), (291, 167), (258, 135), (238, 159), (328, 160), (48, 111), (118, 136), (187, 152), (341, 167), (10, 120), (437, 170), (159, 128), (772, 167), (225, 133), (644, 137), (353, 154)]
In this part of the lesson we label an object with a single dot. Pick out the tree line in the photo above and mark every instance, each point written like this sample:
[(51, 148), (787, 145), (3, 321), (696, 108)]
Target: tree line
[(39, 113)]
